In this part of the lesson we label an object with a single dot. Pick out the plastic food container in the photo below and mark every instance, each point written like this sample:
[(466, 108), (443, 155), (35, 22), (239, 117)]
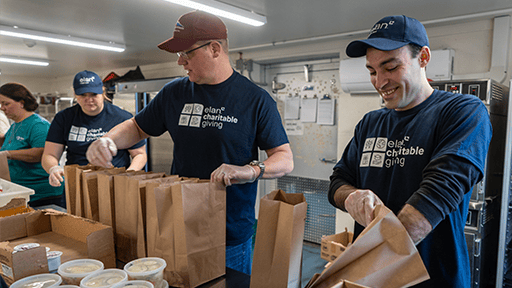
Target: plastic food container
[(134, 284), (150, 269), (25, 246), (12, 190), (38, 281), (72, 272), (104, 278), (53, 260)]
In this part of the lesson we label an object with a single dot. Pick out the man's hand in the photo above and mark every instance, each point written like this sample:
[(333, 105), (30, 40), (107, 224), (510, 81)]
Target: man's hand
[(56, 176), (101, 152), (233, 174), (360, 205)]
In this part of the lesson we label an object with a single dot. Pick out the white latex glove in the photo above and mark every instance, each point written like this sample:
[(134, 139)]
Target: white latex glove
[(101, 152), (56, 175), (6, 153), (233, 174), (360, 205)]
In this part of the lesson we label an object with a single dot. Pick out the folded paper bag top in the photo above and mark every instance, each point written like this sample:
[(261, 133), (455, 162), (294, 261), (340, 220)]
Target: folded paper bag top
[(382, 256)]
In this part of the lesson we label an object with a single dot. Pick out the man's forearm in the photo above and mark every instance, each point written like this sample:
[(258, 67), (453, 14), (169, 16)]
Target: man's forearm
[(415, 223), (126, 134)]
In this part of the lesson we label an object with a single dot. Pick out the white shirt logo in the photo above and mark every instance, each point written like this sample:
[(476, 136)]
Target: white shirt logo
[(196, 115)]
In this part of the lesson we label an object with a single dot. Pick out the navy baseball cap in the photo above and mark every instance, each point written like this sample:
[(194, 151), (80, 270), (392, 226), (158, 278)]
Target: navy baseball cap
[(390, 33), (87, 81)]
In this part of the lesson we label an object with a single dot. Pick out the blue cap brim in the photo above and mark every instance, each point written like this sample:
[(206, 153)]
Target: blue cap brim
[(83, 90), (358, 48)]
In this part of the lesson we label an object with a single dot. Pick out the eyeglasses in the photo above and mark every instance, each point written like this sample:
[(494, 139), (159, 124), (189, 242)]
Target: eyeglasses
[(185, 54)]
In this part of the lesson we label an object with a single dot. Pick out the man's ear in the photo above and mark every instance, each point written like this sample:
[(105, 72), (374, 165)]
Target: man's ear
[(424, 56), (216, 48)]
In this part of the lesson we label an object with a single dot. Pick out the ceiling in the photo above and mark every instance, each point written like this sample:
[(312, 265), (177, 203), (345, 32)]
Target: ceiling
[(142, 24)]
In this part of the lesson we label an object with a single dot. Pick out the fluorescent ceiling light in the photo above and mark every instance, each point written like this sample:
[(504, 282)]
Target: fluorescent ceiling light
[(23, 61), (61, 39), (224, 10)]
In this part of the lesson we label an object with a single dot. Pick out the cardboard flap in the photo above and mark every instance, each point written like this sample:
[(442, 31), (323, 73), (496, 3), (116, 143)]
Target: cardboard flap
[(13, 227), (99, 248), (4, 168), (37, 223), (71, 226), (24, 261)]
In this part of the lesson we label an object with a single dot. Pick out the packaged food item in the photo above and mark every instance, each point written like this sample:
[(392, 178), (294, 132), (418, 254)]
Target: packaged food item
[(150, 269), (104, 278), (53, 260), (72, 272), (134, 284), (38, 281)]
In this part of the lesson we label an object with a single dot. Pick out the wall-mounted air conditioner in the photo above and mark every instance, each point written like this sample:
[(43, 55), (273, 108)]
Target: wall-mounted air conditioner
[(355, 78)]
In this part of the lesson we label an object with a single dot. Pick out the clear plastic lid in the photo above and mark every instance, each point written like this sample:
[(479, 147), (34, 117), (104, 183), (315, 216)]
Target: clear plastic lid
[(25, 246), (145, 266), (53, 254), (104, 278), (134, 284), (80, 268), (38, 281)]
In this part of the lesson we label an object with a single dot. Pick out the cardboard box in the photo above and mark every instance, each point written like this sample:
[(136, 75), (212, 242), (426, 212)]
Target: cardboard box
[(76, 237), (333, 245)]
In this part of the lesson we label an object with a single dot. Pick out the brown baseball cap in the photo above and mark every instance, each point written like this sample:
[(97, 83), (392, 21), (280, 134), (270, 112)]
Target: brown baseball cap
[(192, 27)]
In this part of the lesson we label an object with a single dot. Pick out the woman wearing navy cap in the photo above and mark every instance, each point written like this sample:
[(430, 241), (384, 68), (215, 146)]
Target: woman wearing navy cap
[(78, 126), (23, 144)]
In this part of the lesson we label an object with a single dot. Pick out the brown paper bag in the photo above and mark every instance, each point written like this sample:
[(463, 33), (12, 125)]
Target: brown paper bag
[(141, 211), (106, 205), (382, 256), (4, 168), (187, 227), (279, 238), (90, 191), (127, 199), (74, 187), (70, 187)]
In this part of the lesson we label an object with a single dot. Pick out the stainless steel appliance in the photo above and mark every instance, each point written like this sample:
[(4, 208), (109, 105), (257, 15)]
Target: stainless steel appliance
[(483, 222), (133, 97), (504, 257)]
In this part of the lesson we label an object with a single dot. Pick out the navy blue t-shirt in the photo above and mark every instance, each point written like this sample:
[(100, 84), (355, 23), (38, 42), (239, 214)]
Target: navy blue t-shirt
[(76, 130), (429, 157), (215, 124)]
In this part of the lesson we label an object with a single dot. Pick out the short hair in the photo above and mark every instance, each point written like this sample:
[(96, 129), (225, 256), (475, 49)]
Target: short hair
[(415, 49), (223, 43), (18, 93)]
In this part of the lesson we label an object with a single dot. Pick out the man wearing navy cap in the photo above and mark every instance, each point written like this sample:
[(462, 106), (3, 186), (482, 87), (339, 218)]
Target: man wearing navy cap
[(217, 119), (420, 155)]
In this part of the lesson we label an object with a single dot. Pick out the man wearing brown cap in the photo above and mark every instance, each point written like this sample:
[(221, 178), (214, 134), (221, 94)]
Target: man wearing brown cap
[(217, 119)]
